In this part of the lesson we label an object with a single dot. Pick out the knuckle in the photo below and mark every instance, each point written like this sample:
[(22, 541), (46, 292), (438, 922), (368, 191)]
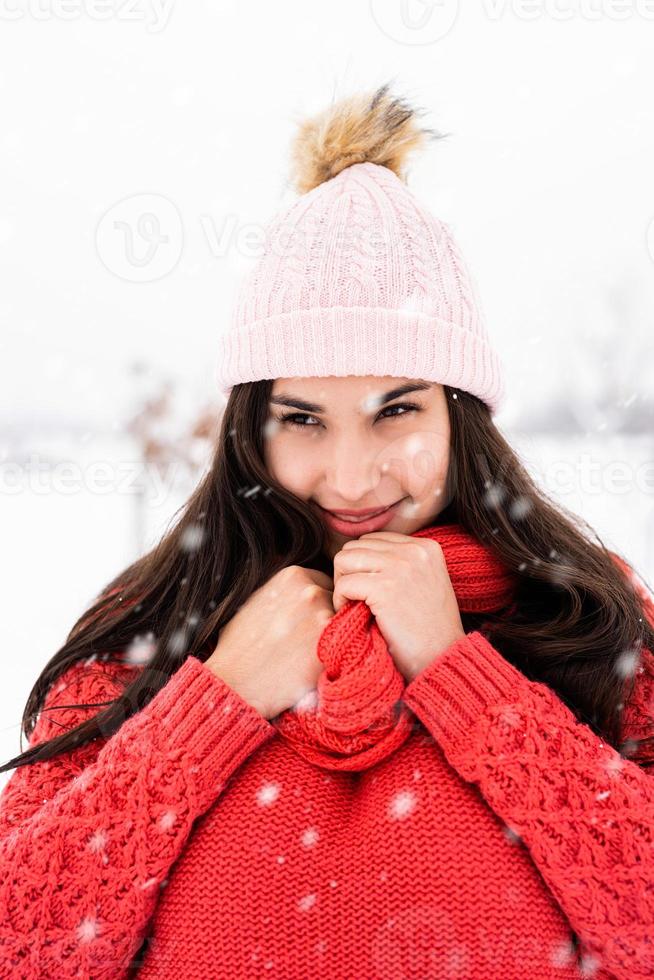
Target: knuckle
[(293, 573)]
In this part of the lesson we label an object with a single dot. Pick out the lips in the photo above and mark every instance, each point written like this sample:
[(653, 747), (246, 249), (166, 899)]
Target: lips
[(356, 516), (356, 526)]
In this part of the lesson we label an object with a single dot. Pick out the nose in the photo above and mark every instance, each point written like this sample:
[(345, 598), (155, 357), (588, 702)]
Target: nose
[(352, 475)]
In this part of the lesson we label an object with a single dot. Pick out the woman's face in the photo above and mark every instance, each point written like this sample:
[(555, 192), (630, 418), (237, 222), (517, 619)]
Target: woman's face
[(355, 443)]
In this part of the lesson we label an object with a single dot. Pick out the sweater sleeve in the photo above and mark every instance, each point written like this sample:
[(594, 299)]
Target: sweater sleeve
[(88, 837), (585, 813)]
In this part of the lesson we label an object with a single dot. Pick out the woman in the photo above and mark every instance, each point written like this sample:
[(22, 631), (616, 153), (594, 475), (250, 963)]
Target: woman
[(295, 741)]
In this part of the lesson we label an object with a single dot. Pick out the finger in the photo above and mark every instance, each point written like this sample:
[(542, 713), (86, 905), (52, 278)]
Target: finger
[(359, 560), (351, 587)]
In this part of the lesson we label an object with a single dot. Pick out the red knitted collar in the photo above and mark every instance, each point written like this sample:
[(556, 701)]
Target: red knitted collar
[(357, 717)]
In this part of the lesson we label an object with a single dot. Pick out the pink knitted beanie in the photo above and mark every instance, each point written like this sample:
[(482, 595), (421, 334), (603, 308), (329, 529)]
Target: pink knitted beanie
[(356, 276)]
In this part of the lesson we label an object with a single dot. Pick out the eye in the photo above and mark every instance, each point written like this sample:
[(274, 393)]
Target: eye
[(292, 418), (409, 406)]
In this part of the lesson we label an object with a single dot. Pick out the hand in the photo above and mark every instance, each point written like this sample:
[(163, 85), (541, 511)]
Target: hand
[(267, 650), (405, 583)]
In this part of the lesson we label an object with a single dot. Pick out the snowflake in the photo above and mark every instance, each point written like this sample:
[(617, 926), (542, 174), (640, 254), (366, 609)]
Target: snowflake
[(510, 716), (563, 953), (178, 642), (306, 902), (192, 537), (511, 835), (625, 665), (141, 649), (519, 507), (411, 303), (494, 495), (402, 804), (614, 765), (268, 793), (589, 964), (307, 703), (167, 819), (97, 842), (84, 778), (150, 883), (88, 929), (310, 836)]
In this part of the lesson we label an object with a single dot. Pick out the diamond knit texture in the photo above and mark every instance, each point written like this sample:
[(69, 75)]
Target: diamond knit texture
[(195, 842)]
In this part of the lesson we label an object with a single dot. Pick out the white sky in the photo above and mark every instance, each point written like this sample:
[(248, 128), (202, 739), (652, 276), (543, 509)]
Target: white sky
[(546, 178)]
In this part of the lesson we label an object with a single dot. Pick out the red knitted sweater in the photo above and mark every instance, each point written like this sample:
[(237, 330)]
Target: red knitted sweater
[(196, 843)]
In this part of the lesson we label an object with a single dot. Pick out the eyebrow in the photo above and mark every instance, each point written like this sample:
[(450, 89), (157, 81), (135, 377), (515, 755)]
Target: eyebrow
[(291, 402)]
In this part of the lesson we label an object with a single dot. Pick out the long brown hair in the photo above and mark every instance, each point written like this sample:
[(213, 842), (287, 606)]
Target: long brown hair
[(577, 614)]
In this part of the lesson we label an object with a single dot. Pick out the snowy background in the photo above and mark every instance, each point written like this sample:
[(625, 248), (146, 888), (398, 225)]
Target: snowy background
[(142, 145)]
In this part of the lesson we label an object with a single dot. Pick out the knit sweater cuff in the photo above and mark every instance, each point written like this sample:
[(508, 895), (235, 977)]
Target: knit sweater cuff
[(209, 724), (451, 693)]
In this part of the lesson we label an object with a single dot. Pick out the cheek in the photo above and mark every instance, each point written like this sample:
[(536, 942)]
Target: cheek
[(287, 465), (418, 462)]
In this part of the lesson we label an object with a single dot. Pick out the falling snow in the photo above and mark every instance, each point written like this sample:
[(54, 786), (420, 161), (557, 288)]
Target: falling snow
[(519, 507), (88, 929), (310, 836), (167, 820), (625, 665), (589, 965), (141, 650), (192, 537), (494, 495), (402, 805), (150, 883), (563, 954), (510, 716), (511, 835), (614, 765), (307, 703), (268, 793), (98, 841), (177, 643), (307, 902)]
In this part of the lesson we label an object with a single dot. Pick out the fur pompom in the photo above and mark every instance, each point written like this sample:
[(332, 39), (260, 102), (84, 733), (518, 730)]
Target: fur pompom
[(378, 128)]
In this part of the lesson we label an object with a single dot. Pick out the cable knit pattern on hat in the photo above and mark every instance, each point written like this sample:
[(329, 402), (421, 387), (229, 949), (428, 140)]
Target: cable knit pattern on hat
[(195, 843), (357, 277)]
